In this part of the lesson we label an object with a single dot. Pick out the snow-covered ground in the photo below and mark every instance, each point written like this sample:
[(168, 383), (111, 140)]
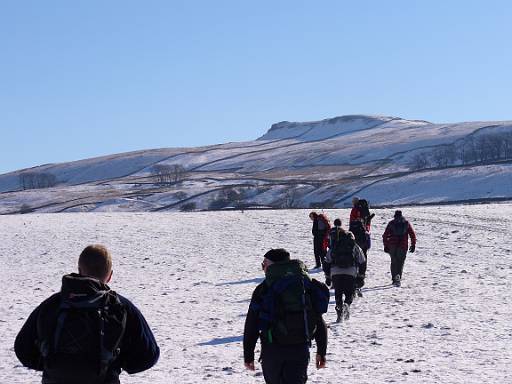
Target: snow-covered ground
[(192, 275)]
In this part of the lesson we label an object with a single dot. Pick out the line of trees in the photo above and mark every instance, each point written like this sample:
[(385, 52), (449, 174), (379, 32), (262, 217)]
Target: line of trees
[(229, 197), (168, 174), (472, 150), (36, 180)]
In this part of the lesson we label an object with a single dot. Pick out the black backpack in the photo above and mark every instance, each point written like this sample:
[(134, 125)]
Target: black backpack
[(364, 209), (342, 251), (359, 231), (400, 228), (81, 345), (290, 304)]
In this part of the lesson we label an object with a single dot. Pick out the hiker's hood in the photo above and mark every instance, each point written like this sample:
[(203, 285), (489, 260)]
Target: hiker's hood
[(77, 287), (284, 268)]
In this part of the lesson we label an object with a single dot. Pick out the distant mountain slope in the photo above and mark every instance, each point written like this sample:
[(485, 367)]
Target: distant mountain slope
[(322, 163)]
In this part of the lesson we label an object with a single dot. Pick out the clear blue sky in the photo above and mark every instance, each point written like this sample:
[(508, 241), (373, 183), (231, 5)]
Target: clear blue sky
[(84, 78)]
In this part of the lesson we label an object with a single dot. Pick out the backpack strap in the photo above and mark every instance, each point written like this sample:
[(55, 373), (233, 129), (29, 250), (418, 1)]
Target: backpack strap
[(306, 326), (107, 356), (63, 313)]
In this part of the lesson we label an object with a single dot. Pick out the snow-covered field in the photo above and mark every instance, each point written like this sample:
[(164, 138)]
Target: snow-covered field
[(192, 275)]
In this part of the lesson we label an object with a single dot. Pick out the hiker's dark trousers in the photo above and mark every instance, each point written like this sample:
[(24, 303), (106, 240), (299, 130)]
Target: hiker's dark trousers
[(397, 261), (343, 285), (318, 250), (362, 270), (285, 364)]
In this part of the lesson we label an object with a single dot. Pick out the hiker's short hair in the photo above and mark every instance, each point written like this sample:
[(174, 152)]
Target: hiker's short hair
[(277, 255), (95, 261)]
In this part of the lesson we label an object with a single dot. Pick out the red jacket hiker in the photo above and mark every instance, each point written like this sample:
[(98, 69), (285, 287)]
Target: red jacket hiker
[(397, 234), (357, 215), (326, 227)]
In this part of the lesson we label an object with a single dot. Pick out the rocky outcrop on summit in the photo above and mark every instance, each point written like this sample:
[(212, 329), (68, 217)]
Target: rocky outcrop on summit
[(328, 128)]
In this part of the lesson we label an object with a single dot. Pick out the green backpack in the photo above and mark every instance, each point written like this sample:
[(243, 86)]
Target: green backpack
[(290, 304)]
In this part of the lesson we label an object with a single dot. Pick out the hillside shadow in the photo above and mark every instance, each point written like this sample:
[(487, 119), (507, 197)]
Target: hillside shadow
[(222, 340)]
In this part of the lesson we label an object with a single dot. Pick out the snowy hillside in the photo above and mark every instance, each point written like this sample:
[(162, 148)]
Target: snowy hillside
[(192, 275), (294, 165)]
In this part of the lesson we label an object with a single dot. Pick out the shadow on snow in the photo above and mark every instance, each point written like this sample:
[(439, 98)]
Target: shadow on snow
[(378, 288), (222, 340), (256, 281)]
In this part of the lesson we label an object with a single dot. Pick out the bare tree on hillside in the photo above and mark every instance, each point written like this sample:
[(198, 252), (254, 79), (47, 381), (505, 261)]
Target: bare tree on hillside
[(468, 152), (178, 173), (420, 161), (495, 146), (162, 173), (290, 198), (444, 156), (36, 180), (507, 145)]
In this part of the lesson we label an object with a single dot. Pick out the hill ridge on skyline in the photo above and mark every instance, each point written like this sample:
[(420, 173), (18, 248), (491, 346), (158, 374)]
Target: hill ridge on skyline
[(293, 164)]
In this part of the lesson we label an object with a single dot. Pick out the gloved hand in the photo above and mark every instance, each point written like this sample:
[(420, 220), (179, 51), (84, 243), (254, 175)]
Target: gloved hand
[(320, 361), (412, 248), (386, 249)]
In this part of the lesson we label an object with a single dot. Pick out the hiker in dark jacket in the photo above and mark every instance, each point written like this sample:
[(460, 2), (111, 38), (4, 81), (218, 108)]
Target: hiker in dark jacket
[(320, 231), (396, 241), (281, 362), (49, 341), (343, 273), (360, 226)]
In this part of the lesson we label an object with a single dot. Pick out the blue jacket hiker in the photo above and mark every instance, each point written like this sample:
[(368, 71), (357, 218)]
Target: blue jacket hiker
[(86, 333)]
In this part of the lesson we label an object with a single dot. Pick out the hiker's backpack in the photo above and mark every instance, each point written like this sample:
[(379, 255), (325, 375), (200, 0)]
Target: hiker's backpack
[(290, 304), (342, 251), (359, 231), (364, 210), (399, 228), (326, 227), (81, 345)]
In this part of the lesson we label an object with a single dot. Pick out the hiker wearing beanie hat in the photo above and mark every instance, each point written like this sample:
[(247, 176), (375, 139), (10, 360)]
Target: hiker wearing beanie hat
[(396, 242), (280, 307), (277, 255), (320, 231)]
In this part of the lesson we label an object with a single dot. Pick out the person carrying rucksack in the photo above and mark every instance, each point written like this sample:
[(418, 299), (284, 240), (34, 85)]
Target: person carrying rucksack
[(344, 258), (361, 212), (285, 313), (320, 231), (86, 333), (395, 239), (360, 226)]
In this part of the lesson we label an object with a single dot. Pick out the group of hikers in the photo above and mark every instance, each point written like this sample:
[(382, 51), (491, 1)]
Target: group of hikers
[(286, 309), (88, 334)]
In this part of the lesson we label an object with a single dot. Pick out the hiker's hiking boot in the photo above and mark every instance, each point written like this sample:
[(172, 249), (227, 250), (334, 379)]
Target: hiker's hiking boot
[(339, 315), (346, 311)]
